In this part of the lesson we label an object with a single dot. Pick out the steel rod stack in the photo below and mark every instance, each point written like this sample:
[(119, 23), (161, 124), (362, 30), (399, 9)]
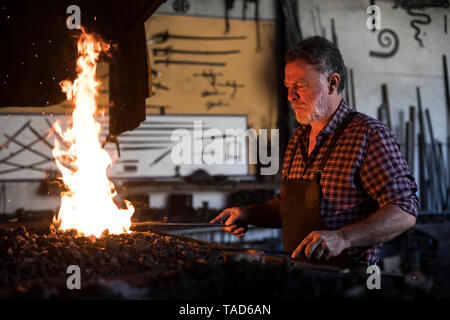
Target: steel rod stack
[(433, 156)]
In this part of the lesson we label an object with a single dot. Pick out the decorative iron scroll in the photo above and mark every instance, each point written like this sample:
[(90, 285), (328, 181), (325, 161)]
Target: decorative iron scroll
[(387, 38)]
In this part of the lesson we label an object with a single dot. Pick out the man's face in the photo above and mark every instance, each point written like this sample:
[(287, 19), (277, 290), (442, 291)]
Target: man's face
[(307, 91)]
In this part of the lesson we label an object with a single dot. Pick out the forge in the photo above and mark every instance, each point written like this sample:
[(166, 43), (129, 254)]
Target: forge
[(150, 265)]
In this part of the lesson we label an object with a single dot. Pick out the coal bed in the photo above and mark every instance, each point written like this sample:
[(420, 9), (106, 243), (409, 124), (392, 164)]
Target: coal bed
[(148, 265)]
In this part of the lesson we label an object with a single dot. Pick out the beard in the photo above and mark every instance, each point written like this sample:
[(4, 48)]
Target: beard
[(316, 112)]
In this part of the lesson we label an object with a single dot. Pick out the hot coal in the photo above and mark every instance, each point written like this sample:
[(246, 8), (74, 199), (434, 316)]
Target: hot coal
[(30, 256), (147, 265)]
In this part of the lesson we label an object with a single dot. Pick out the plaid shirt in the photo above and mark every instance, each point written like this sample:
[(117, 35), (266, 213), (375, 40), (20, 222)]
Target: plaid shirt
[(365, 171)]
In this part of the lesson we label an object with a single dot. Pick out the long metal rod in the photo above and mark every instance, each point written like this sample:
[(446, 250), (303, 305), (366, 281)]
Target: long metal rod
[(145, 141), (352, 87), (384, 93), (175, 224), (439, 175), (270, 251), (164, 36), (188, 62), (170, 50), (143, 148), (412, 137), (166, 128), (447, 101)]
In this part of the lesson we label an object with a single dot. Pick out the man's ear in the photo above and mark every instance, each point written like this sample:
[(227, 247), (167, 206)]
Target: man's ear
[(333, 82)]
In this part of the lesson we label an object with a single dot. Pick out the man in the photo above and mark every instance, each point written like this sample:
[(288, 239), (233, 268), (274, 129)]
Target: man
[(346, 187)]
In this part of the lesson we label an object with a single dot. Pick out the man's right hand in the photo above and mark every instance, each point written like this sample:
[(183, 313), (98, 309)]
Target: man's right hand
[(235, 219)]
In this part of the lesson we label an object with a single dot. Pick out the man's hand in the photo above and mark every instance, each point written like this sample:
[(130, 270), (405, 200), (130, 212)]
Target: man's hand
[(235, 219), (321, 244)]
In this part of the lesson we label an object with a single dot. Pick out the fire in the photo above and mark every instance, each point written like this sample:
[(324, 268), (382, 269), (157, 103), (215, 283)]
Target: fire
[(88, 204)]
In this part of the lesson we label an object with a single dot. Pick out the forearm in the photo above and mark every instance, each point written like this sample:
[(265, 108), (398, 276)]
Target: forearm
[(384, 225), (265, 215)]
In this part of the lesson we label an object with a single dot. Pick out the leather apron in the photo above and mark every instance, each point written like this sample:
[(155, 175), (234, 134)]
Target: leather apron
[(300, 206)]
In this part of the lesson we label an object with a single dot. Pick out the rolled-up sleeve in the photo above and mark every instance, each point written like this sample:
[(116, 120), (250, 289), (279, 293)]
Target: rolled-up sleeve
[(385, 175)]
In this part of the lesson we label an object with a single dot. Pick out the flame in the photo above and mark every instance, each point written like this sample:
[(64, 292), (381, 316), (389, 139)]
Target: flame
[(88, 204)]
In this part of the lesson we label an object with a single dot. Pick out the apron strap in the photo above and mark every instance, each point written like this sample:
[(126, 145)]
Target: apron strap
[(330, 148), (335, 138), (291, 160)]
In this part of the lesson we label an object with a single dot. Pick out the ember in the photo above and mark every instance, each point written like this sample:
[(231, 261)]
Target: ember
[(146, 265), (46, 256)]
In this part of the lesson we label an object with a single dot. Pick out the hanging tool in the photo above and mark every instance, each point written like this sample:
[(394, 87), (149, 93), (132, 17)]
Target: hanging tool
[(210, 104), (145, 141), (207, 93), (168, 62), (145, 135), (143, 148), (213, 76), (258, 35), (158, 85), (229, 4), (160, 157), (162, 37), (233, 85), (169, 50)]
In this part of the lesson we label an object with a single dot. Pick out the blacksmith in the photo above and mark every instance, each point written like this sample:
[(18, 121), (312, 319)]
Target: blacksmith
[(346, 187)]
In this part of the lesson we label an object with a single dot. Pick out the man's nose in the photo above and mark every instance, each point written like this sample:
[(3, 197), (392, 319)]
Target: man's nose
[(292, 95)]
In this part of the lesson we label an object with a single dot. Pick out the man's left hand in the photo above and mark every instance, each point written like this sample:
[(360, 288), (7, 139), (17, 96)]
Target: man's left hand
[(321, 244)]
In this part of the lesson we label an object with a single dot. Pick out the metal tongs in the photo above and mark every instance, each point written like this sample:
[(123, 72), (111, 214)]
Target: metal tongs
[(165, 222)]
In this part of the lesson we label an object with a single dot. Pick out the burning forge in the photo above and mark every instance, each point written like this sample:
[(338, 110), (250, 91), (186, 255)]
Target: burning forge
[(88, 204)]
